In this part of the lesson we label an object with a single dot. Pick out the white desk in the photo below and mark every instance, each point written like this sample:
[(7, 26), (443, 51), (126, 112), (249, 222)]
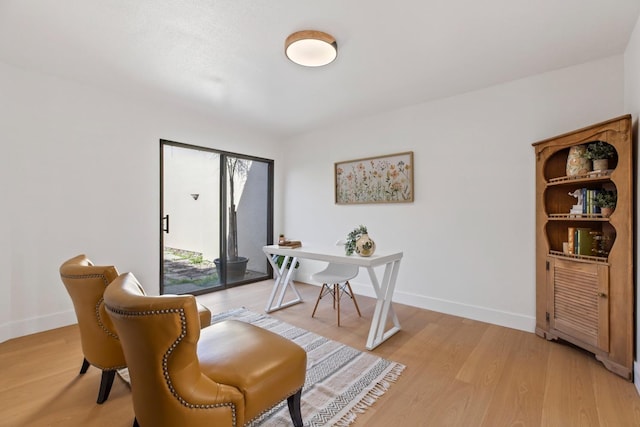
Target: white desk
[(384, 290)]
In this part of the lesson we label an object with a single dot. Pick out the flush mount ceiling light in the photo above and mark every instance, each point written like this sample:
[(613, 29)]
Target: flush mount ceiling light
[(311, 48)]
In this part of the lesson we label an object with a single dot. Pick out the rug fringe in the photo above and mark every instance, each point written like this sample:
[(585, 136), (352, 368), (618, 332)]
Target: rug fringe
[(371, 397)]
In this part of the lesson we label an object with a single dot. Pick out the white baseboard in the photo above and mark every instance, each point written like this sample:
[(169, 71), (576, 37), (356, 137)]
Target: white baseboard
[(454, 308), (4, 332), (468, 311), (36, 324), (636, 375)]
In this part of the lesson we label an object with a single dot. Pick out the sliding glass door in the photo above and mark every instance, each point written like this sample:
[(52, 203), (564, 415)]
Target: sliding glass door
[(216, 214)]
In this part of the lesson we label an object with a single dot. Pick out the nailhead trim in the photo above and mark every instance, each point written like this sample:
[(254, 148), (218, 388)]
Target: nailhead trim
[(165, 358), (98, 317)]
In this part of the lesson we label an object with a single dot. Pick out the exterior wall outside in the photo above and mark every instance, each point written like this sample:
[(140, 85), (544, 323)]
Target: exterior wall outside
[(193, 223)]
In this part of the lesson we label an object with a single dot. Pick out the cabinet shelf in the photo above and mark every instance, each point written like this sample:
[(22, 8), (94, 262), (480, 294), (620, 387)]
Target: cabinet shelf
[(577, 217), (586, 258), (598, 176)]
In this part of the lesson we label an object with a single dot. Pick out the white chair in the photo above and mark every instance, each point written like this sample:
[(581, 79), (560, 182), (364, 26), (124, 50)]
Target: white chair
[(335, 281)]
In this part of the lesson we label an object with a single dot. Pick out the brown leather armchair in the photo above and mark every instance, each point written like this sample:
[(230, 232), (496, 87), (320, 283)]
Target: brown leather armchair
[(101, 346), (225, 375)]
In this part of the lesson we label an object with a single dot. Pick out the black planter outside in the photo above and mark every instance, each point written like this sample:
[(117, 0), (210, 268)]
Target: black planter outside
[(236, 268)]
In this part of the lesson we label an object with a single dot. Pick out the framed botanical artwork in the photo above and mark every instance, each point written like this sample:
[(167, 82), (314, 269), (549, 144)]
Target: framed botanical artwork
[(382, 179)]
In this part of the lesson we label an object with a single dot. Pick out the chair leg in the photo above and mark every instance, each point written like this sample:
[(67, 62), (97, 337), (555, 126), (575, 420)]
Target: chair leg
[(85, 366), (105, 385), (320, 295), (293, 402), (333, 294), (353, 297), (336, 299)]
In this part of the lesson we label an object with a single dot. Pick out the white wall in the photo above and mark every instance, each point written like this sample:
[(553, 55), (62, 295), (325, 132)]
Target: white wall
[(632, 106), (82, 176), (468, 239)]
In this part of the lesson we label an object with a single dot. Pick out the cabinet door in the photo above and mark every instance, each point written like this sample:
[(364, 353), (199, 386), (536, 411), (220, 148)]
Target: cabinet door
[(579, 300)]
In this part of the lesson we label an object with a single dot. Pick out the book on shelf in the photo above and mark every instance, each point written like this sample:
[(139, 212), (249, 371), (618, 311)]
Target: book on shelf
[(583, 241), (571, 234), (586, 201), (292, 244), (591, 202)]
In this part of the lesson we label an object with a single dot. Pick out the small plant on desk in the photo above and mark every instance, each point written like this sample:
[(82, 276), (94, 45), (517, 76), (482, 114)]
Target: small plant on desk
[(280, 259), (350, 246)]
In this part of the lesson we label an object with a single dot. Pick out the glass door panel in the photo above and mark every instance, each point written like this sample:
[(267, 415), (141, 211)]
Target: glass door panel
[(247, 219), (209, 242), (191, 214)]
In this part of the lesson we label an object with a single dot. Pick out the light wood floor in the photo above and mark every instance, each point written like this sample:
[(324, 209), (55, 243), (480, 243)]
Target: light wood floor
[(459, 373)]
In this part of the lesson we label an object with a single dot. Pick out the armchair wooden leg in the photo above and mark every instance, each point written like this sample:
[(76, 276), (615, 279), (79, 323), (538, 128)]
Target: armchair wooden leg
[(293, 402), (85, 366), (105, 385)]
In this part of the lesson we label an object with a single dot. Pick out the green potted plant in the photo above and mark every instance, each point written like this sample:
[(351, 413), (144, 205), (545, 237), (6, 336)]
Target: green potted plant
[(600, 152), (365, 247), (280, 259), (606, 200)]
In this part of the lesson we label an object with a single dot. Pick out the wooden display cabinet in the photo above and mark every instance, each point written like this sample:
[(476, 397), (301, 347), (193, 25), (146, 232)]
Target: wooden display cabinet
[(587, 299)]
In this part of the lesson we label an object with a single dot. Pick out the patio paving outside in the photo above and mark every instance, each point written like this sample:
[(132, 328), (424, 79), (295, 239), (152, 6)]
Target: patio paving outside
[(187, 272)]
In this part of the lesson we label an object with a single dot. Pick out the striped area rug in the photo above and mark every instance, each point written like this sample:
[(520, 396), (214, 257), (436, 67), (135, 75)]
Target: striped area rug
[(341, 381)]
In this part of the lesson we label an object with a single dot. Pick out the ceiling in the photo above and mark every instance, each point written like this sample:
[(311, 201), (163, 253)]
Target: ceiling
[(226, 59)]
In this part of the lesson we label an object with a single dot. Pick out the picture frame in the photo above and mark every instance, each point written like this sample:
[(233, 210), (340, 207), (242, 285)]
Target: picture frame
[(379, 179)]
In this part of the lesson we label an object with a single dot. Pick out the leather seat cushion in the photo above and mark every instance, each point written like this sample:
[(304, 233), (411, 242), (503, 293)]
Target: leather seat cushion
[(252, 359), (205, 316)]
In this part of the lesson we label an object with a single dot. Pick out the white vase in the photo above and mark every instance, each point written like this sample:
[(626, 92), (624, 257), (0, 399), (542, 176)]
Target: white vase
[(365, 246)]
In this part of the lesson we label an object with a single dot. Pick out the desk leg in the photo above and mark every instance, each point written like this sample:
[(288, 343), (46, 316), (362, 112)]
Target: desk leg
[(384, 309), (281, 283)]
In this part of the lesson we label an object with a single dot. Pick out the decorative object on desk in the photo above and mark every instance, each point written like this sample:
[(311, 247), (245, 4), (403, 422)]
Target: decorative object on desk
[(606, 200), (577, 162), (382, 179), (365, 246), (342, 382), (291, 244), (281, 239), (599, 153), (352, 237), (236, 266)]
